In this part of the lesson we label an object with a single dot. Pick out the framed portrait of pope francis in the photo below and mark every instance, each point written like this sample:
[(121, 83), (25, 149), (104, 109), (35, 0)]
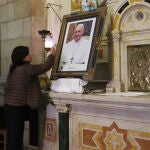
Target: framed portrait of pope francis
[(78, 44)]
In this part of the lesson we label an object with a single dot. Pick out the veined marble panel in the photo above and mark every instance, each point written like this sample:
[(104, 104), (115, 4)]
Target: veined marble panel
[(111, 137)]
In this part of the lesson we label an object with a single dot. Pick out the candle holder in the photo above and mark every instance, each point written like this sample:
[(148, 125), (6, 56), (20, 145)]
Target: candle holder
[(44, 79), (43, 34)]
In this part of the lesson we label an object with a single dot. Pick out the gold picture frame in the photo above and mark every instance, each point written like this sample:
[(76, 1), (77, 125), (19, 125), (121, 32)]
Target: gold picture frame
[(76, 5), (93, 27)]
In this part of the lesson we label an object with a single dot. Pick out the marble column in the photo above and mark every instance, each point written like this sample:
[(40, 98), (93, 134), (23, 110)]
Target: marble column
[(114, 84)]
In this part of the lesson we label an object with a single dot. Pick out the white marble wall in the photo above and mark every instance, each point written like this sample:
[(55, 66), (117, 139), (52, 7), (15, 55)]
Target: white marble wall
[(51, 113), (15, 27), (20, 22), (55, 16), (106, 121)]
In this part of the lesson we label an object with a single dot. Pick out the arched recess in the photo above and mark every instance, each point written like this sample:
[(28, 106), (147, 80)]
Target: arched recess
[(131, 27)]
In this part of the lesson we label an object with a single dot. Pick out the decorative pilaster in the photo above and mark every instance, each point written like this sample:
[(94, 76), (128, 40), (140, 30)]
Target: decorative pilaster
[(114, 84)]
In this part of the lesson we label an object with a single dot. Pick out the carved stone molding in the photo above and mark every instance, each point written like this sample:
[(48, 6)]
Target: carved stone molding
[(64, 108), (111, 1), (131, 27), (113, 86), (64, 101), (115, 36), (136, 18)]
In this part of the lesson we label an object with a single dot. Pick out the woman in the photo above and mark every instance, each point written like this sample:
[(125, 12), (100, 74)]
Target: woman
[(23, 96)]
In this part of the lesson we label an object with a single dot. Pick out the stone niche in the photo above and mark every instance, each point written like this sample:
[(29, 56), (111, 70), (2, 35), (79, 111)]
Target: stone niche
[(130, 44)]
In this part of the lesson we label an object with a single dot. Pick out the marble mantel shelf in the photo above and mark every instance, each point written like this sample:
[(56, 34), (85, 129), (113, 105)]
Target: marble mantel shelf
[(109, 101)]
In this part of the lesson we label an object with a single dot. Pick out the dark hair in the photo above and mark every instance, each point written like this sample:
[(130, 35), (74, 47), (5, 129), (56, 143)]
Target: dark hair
[(17, 56)]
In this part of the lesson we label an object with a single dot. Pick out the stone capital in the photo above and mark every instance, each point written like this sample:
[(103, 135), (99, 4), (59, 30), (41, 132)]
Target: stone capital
[(115, 35), (64, 108), (113, 86)]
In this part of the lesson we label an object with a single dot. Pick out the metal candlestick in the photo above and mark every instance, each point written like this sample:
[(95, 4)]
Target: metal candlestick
[(44, 80), (43, 34)]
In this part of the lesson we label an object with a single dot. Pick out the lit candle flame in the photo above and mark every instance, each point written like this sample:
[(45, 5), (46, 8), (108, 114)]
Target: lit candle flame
[(49, 42)]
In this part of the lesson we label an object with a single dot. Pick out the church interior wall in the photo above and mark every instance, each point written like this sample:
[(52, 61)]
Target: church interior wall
[(20, 21)]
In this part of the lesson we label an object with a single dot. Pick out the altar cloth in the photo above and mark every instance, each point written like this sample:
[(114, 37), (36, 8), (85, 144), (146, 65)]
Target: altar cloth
[(68, 85)]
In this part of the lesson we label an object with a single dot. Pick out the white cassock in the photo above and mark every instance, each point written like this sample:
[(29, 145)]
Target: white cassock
[(75, 55)]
